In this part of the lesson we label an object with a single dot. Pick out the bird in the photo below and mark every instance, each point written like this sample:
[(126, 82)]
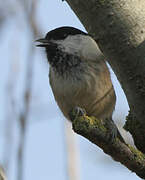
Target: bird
[(78, 73)]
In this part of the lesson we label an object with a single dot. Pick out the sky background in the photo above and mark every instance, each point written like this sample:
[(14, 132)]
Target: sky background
[(45, 149)]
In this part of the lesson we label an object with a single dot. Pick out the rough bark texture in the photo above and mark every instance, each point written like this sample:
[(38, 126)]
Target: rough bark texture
[(96, 131), (119, 29)]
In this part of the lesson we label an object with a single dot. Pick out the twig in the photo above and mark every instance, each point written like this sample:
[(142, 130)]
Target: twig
[(2, 174), (32, 25), (95, 131), (10, 104)]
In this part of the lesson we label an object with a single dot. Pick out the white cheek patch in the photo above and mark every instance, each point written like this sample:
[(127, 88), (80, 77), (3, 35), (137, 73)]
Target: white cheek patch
[(91, 50), (71, 45), (80, 45)]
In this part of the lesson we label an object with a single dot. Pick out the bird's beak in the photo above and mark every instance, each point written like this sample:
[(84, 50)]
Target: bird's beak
[(43, 42)]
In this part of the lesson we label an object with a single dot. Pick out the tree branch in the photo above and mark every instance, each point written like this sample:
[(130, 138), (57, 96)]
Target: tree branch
[(119, 29), (2, 174), (94, 130)]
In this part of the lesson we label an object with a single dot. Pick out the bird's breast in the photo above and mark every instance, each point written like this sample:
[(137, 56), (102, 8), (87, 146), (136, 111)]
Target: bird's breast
[(83, 91)]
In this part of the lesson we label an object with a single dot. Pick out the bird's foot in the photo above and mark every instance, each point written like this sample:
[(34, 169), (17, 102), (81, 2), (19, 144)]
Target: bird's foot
[(76, 112), (113, 131)]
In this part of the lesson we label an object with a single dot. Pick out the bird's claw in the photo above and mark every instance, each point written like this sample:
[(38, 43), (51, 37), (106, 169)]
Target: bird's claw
[(76, 112), (113, 131), (112, 135)]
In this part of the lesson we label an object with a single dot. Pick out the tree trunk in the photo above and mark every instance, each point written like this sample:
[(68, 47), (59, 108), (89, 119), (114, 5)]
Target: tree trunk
[(118, 26)]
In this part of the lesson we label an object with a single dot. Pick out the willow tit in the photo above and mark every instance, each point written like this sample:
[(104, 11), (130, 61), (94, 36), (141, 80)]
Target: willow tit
[(79, 76)]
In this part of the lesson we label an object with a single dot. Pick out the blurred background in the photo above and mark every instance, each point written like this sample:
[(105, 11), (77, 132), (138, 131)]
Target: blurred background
[(36, 142)]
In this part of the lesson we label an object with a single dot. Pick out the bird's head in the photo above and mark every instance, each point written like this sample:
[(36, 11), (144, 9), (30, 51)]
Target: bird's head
[(68, 46), (66, 39)]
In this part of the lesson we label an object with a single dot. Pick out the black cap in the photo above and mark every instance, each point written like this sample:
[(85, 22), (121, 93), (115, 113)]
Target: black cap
[(62, 32)]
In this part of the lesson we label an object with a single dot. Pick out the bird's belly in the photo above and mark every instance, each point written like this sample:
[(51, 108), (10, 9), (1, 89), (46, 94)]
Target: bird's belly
[(84, 96), (88, 102)]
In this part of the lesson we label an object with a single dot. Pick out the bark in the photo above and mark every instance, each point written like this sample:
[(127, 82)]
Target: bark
[(119, 29), (96, 131)]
